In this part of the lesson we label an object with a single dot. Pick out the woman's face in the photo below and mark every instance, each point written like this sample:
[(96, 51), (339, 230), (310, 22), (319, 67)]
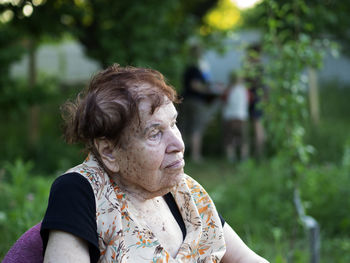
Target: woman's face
[(151, 159)]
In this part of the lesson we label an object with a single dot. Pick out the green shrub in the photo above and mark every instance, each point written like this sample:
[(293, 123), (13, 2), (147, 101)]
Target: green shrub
[(23, 201), (257, 201), (335, 249), (49, 153), (326, 193), (329, 135)]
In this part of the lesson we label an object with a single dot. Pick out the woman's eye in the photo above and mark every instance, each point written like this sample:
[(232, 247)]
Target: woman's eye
[(155, 135)]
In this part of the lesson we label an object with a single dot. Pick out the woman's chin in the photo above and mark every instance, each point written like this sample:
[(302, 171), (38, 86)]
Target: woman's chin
[(176, 179)]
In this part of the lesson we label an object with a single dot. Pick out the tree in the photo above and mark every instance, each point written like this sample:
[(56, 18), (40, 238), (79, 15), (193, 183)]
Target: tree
[(30, 22), (324, 22), (320, 19), (10, 51), (141, 33)]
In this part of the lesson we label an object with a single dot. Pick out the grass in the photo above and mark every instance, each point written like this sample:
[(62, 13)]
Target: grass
[(255, 199)]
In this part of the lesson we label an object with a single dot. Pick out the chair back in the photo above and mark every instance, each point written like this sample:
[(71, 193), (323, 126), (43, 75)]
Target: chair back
[(27, 249)]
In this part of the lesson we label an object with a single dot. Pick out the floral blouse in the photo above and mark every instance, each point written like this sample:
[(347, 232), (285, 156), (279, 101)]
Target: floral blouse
[(123, 239)]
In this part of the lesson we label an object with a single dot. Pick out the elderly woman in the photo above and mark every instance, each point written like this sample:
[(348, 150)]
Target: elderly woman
[(130, 200)]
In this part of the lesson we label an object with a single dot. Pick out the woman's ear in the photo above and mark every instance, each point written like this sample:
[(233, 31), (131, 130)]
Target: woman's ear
[(107, 152)]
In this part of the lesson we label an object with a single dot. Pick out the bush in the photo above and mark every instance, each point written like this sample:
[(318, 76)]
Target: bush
[(329, 135), (257, 201), (23, 201), (326, 192), (49, 153)]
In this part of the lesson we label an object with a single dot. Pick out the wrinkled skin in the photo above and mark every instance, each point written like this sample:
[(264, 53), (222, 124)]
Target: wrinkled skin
[(150, 160)]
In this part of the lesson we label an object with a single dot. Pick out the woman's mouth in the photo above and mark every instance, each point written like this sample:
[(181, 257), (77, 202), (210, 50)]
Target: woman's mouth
[(176, 165)]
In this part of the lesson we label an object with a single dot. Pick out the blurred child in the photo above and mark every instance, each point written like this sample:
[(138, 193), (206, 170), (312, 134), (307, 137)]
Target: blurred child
[(235, 119)]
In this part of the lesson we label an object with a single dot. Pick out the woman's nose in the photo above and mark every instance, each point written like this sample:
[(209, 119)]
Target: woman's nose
[(176, 143)]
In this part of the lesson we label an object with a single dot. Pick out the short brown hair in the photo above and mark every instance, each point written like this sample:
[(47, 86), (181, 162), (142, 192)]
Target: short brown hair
[(111, 102)]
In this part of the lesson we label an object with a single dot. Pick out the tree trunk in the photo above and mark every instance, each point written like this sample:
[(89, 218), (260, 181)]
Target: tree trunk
[(314, 96), (33, 125)]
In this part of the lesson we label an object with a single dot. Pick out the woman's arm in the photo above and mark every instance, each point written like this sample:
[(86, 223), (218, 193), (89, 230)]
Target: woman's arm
[(236, 250), (65, 247)]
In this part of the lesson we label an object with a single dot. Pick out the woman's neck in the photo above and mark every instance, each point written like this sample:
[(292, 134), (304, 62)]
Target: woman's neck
[(138, 193)]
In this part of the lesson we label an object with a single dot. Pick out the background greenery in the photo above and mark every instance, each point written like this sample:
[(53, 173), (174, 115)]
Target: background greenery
[(256, 198), (251, 196)]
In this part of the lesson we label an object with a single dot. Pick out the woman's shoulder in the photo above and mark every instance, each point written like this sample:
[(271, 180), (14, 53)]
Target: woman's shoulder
[(194, 186), (71, 182), (92, 172), (70, 178)]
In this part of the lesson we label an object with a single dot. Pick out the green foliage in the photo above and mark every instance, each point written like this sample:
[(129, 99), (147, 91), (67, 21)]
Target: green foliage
[(149, 34), (10, 51), (50, 153), (18, 96), (252, 198), (43, 21), (290, 50), (331, 134), (23, 201), (317, 19), (286, 107), (326, 195), (338, 250), (256, 201), (346, 155), (263, 204)]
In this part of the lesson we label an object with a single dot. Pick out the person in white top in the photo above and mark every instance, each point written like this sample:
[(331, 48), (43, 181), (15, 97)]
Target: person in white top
[(235, 116)]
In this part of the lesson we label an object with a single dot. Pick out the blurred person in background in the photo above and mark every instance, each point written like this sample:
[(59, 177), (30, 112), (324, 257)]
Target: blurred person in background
[(199, 102), (130, 200), (235, 119), (257, 94)]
